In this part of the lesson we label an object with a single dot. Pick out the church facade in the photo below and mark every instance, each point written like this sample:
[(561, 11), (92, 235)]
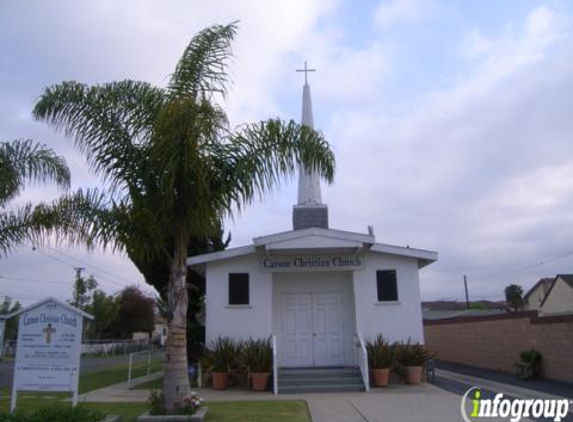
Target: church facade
[(315, 289)]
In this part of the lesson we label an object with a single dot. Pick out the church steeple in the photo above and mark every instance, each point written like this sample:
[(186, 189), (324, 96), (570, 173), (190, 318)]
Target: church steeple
[(309, 211)]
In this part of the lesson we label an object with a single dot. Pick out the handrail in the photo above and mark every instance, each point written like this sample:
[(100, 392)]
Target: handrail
[(275, 365), (362, 359)]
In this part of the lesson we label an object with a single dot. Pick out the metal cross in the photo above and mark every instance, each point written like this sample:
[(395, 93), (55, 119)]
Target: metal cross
[(306, 70), (48, 331)]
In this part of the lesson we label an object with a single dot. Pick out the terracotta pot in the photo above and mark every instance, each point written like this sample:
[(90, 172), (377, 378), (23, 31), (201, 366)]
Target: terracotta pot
[(380, 377), (260, 380), (413, 374), (219, 380)]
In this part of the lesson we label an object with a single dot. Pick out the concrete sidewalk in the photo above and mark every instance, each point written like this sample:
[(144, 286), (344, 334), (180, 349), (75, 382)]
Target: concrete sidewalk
[(421, 403)]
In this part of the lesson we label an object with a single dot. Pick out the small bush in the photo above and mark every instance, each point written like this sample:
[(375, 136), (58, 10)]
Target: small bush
[(381, 354), (257, 355), (530, 364), (53, 413), (188, 407)]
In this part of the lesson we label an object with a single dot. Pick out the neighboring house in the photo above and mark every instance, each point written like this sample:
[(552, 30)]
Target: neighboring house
[(313, 287), (534, 297), (159, 335), (559, 298)]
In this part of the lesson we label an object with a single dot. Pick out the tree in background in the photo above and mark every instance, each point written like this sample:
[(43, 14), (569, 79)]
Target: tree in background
[(105, 310), (135, 313), (22, 162), (175, 167), (514, 297), (7, 306), (83, 290)]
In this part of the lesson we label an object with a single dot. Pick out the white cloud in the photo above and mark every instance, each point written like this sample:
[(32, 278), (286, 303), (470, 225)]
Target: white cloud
[(391, 13)]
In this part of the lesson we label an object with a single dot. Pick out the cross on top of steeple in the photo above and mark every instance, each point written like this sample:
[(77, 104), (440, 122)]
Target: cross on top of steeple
[(305, 70)]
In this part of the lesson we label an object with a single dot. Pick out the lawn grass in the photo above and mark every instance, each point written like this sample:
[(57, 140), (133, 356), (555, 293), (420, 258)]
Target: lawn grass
[(156, 384), (114, 375), (234, 411), (94, 380)]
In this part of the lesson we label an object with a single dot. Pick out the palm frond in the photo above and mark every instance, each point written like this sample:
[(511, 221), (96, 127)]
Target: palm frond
[(202, 70), (22, 161), (111, 123), (254, 159)]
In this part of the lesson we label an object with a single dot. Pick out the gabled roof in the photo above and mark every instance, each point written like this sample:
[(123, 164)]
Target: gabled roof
[(315, 238), (543, 282), (50, 299), (567, 279)]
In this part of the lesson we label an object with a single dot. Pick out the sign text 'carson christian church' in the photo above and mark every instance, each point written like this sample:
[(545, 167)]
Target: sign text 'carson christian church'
[(312, 263)]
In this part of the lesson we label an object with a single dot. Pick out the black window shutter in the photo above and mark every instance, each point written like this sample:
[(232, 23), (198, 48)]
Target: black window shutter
[(238, 289), (386, 285)]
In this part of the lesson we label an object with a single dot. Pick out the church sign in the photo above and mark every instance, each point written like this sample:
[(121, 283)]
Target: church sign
[(48, 349), (308, 263)]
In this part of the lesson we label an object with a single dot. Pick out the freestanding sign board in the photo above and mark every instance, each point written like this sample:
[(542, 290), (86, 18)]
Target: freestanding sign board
[(48, 349)]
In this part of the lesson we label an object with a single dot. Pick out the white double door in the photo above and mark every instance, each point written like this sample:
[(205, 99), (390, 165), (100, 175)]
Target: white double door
[(312, 329)]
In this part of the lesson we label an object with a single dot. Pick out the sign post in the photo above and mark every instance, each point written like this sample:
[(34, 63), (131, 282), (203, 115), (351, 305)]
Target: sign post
[(48, 349), (2, 330)]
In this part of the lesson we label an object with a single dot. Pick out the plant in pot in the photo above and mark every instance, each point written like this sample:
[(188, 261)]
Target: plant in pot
[(411, 359), (380, 360), (220, 359), (257, 357)]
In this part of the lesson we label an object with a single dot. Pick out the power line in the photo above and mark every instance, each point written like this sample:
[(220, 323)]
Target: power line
[(520, 269), (89, 265), (73, 266), (32, 280)]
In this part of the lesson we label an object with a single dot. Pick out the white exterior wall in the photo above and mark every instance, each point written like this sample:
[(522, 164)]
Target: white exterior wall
[(560, 299), (238, 321), (535, 298), (394, 320)]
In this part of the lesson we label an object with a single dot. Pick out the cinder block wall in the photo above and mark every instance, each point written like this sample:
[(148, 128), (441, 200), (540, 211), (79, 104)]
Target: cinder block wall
[(494, 342)]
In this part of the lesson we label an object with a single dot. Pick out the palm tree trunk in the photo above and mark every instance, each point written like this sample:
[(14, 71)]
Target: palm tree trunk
[(176, 381)]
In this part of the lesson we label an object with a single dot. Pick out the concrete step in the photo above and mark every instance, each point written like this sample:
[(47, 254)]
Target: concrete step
[(342, 388), (321, 381), (311, 380)]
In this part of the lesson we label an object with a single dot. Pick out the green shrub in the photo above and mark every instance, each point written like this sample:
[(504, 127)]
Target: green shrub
[(381, 354), (55, 413), (222, 355), (257, 355), (187, 407), (415, 354), (530, 364)]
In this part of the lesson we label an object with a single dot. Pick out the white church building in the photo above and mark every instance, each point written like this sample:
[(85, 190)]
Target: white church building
[(316, 290)]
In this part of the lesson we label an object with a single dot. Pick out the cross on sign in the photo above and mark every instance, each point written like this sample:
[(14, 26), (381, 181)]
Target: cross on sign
[(48, 331), (305, 70)]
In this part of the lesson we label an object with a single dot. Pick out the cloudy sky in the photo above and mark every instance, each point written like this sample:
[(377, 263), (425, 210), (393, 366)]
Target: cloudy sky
[(451, 121)]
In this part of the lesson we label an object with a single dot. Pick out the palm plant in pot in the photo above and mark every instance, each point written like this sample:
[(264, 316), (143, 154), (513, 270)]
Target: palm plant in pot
[(380, 360), (257, 357), (220, 359), (411, 359)]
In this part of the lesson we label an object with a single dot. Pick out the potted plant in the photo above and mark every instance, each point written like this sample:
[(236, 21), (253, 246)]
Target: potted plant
[(380, 360), (412, 358), (220, 359), (257, 357)]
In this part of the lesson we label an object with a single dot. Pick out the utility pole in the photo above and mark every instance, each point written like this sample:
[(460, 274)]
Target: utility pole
[(467, 295), (78, 287)]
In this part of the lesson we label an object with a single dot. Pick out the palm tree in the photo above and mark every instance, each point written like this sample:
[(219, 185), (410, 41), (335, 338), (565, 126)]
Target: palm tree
[(21, 162), (175, 168), (514, 296)]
